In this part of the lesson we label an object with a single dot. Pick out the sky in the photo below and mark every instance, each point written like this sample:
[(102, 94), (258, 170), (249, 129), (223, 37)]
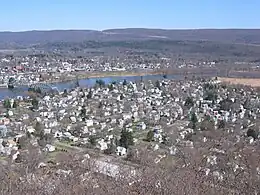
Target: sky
[(22, 15)]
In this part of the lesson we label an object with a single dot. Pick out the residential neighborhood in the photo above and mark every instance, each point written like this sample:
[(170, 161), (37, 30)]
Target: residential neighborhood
[(176, 122)]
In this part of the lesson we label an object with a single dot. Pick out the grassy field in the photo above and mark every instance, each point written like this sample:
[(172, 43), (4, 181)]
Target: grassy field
[(253, 82)]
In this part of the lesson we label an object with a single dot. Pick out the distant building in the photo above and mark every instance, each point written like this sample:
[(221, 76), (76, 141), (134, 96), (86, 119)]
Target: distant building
[(3, 131)]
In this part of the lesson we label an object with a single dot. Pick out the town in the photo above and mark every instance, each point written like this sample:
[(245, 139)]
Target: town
[(201, 124), (31, 69), (129, 98)]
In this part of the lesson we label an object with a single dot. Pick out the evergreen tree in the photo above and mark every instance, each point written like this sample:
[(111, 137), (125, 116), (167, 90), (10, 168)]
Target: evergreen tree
[(38, 90), (221, 124), (15, 105), (65, 92), (77, 83), (7, 103), (189, 102), (110, 87), (92, 140), (39, 130), (194, 119), (100, 83), (126, 139), (121, 97), (89, 96), (35, 103), (252, 133), (158, 84), (83, 113), (150, 136), (124, 82)]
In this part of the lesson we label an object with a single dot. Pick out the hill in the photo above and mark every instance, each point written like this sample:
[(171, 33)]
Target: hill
[(243, 36)]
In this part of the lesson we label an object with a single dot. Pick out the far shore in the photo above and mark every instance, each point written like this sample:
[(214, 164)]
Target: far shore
[(86, 75)]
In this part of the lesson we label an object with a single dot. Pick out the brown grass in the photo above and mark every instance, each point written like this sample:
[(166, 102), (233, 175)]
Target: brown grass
[(253, 82)]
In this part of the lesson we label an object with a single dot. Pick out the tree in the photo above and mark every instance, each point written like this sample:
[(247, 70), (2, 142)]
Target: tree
[(158, 84), (150, 136), (193, 119), (252, 133), (7, 103), (211, 95), (124, 82), (89, 96), (221, 124), (100, 82), (65, 92), (77, 83), (226, 104), (35, 103), (110, 87), (83, 113), (39, 130), (121, 97), (111, 149), (92, 140), (38, 90), (126, 139), (189, 102), (15, 105), (207, 125)]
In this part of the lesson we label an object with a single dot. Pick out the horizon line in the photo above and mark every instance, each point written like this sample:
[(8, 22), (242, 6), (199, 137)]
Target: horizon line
[(120, 28)]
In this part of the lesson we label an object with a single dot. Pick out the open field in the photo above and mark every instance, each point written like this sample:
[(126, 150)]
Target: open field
[(254, 82)]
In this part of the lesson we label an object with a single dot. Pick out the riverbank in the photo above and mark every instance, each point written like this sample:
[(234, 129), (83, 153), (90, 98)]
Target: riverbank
[(87, 75)]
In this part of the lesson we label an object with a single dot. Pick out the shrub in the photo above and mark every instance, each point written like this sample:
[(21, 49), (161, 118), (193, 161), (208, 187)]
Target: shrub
[(150, 136)]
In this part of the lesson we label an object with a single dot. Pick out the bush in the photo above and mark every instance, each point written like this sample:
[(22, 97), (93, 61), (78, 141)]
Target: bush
[(150, 136)]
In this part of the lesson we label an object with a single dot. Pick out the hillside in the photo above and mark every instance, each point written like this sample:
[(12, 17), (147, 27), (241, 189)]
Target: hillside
[(245, 36)]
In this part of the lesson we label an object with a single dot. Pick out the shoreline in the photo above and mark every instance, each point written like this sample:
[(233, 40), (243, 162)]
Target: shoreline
[(89, 75), (103, 75)]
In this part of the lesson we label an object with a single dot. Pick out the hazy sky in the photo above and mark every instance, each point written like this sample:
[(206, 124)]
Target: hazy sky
[(20, 15)]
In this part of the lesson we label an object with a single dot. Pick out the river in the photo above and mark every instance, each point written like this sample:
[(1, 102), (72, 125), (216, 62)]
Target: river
[(22, 90)]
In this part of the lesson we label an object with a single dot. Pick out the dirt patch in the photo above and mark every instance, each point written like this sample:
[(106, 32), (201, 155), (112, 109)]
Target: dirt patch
[(241, 81)]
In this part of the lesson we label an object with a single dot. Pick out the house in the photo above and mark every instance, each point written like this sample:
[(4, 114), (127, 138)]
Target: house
[(102, 145), (3, 131), (121, 151)]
